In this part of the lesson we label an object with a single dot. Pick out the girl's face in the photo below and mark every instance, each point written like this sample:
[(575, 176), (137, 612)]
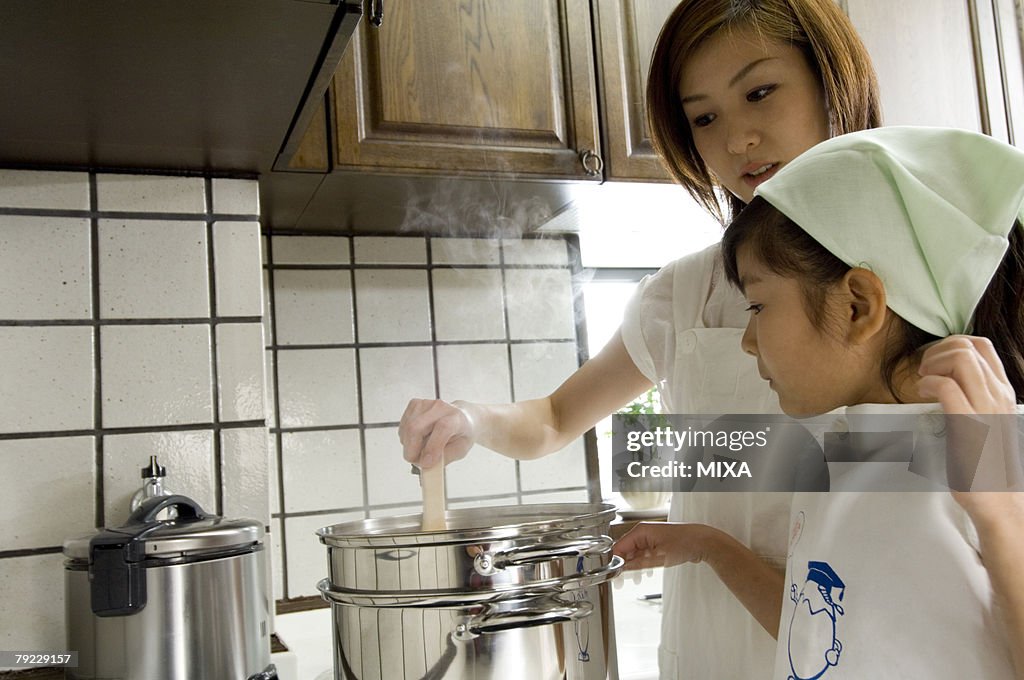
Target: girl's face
[(753, 105), (812, 370)]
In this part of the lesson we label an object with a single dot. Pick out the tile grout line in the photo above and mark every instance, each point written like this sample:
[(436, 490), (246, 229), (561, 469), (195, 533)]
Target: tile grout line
[(99, 438), (278, 436), (218, 452)]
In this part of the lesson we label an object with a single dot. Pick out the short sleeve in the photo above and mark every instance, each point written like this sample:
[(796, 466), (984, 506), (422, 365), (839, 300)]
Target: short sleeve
[(656, 313), (647, 329)]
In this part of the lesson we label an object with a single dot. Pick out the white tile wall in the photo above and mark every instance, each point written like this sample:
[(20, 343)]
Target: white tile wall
[(392, 305), (47, 378), (477, 373), (241, 385), (236, 254), (390, 250), (156, 375), (530, 251), (391, 376), (44, 190), (313, 307), (538, 302), (150, 193), (153, 268), (66, 464), (311, 250), (306, 555), (42, 271), (188, 457), (317, 387), (404, 286), (322, 469), (235, 196), (388, 477), (245, 471), (48, 490), (469, 304), (32, 590), (465, 251)]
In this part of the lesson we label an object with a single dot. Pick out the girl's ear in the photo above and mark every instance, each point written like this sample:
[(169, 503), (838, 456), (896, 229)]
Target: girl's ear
[(866, 312)]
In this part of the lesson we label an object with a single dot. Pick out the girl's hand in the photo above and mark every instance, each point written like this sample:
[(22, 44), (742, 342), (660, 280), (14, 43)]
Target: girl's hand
[(663, 544), (966, 376), (432, 430)]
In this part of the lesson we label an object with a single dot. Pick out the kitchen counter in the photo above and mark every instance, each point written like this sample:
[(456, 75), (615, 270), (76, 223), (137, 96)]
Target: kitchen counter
[(637, 630)]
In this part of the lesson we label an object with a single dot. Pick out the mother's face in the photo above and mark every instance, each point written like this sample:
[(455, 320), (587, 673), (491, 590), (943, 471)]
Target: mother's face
[(753, 104)]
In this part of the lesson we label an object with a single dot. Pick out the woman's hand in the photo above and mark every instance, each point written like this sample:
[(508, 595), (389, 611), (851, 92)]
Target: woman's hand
[(663, 544), (433, 430)]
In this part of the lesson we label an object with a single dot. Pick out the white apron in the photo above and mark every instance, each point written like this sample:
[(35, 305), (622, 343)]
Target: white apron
[(887, 585), (706, 633)]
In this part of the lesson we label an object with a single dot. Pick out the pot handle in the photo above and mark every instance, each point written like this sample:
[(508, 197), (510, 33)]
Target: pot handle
[(537, 611), (147, 511), (487, 563)]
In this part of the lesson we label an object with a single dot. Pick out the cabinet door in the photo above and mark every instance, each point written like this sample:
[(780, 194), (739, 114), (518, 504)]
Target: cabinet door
[(470, 87), (627, 31), (924, 55)]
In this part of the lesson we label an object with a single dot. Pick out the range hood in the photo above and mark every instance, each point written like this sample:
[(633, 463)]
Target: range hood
[(189, 85)]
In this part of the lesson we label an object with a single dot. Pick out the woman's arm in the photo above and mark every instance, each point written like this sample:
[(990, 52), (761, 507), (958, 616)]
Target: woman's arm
[(756, 584), (525, 429)]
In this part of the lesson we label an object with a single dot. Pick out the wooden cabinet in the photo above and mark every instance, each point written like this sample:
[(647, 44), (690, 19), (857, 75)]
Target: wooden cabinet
[(554, 89), (489, 88), (627, 31), (470, 88)]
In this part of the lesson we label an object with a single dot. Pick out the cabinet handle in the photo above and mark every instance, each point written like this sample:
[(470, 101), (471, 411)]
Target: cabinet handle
[(592, 163), (377, 12)]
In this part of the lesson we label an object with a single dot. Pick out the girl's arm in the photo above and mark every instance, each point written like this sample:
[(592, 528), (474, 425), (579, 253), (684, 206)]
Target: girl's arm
[(967, 377), (757, 585), (431, 428)]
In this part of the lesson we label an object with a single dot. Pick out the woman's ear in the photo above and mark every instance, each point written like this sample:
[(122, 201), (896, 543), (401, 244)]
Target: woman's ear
[(866, 312)]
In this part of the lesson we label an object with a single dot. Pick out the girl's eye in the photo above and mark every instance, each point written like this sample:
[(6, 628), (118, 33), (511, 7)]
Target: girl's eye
[(703, 121), (759, 93), (755, 308)]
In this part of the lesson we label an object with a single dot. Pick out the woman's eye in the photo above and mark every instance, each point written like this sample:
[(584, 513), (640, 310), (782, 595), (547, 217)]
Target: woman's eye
[(755, 308), (759, 93), (703, 121)]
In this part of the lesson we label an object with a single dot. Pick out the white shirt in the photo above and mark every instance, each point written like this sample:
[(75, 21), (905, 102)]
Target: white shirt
[(682, 329)]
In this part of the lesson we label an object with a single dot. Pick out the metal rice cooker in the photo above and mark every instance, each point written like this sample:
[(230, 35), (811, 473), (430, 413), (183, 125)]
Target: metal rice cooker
[(173, 599), (505, 593)]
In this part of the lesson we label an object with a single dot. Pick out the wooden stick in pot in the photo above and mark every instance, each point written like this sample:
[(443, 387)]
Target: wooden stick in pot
[(434, 500)]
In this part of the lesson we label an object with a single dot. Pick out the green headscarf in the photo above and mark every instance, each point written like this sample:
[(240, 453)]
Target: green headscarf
[(928, 210)]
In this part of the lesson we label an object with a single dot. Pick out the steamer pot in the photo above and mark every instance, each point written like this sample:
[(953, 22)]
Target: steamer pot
[(506, 592)]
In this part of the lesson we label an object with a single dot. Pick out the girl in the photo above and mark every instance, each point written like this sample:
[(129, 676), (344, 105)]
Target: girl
[(855, 259), (737, 89)]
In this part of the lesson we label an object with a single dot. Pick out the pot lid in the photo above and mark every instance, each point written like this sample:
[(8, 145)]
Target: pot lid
[(191, 533)]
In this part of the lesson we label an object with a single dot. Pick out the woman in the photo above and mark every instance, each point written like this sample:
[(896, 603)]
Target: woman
[(737, 89)]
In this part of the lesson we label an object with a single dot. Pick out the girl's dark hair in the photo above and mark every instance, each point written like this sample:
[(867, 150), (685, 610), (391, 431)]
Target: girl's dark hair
[(787, 250), (819, 28)]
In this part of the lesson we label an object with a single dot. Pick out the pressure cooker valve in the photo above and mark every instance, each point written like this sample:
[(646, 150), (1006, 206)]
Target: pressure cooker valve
[(483, 563)]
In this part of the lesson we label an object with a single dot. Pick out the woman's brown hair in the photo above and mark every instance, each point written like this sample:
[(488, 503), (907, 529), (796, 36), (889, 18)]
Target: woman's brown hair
[(787, 250), (819, 28)]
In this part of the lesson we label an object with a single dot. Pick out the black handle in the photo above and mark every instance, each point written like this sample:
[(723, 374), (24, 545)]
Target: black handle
[(377, 12), (148, 509)]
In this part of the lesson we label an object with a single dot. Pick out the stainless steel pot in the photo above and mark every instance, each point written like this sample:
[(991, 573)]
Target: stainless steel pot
[(169, 599), (506, 592)]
